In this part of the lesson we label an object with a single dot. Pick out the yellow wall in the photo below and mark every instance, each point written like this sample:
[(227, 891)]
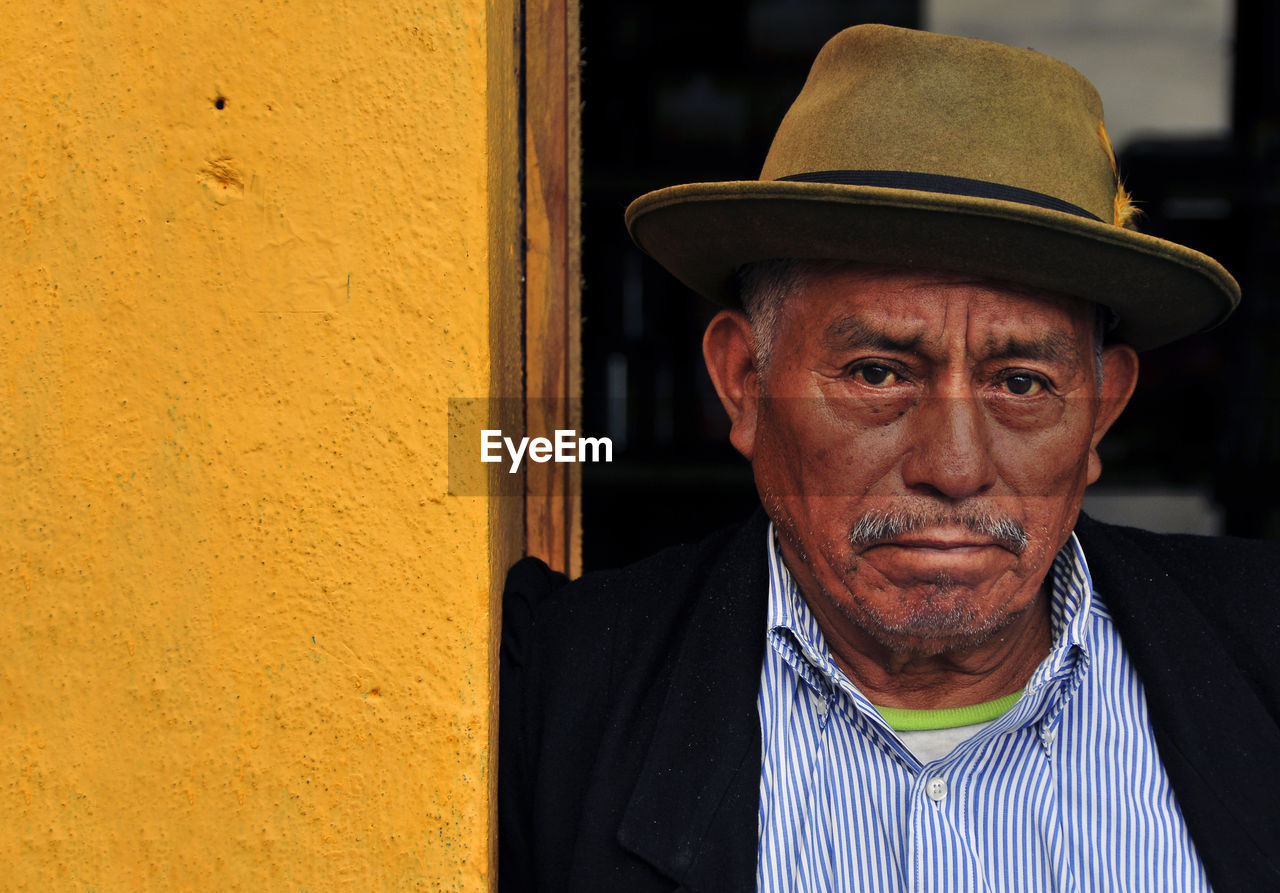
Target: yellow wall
[(242, 627)]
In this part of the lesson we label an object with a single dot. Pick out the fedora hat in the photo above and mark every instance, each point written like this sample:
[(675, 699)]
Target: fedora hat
[(938, 152)]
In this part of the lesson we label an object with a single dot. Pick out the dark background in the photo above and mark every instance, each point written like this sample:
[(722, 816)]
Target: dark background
[(671, 98)]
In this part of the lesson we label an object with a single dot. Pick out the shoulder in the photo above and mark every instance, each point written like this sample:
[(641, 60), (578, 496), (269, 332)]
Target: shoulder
[(1250, 569), (641, 597), (581, 654), (1172, 593)]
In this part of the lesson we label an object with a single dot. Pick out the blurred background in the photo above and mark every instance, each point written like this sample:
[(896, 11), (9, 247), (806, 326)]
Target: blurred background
[(1192, 96)]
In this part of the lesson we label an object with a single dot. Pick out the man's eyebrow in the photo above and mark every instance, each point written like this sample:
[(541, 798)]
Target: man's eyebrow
[(1051, 347), (852, 333)]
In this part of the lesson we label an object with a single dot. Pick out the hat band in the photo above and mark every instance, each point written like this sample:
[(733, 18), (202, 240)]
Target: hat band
[(944, 184)]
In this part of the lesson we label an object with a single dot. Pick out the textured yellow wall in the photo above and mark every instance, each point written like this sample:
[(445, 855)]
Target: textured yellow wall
[(243, 630)]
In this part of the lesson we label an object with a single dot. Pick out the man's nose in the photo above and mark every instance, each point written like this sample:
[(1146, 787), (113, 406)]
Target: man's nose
[(950, 449)]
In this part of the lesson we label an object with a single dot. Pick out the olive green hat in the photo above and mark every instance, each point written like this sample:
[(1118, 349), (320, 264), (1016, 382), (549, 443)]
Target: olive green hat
[(925, 150)]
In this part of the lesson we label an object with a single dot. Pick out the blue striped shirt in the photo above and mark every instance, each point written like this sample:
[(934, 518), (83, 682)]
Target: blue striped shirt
[(1064, 792)]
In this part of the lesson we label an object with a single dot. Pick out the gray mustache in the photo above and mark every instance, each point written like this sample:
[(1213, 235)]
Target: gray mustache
[(875, 526)]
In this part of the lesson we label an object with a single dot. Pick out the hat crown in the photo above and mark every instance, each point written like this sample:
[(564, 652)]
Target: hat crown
[(880, 98)]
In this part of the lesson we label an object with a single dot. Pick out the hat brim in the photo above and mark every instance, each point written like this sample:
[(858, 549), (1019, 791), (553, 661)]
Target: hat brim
[(703, 232)]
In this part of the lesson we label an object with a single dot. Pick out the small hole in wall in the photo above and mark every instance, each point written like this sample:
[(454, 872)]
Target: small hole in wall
[(220, 103)]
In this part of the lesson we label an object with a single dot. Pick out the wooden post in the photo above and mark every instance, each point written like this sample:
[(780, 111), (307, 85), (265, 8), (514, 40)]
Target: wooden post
[(553, 358)]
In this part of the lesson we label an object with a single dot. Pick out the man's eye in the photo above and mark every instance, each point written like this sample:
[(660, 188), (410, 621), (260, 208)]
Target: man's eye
[(875, 374), (1023, 385)]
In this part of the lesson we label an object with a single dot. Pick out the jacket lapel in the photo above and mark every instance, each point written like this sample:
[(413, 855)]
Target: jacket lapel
[(1219, 743), (693, 812)]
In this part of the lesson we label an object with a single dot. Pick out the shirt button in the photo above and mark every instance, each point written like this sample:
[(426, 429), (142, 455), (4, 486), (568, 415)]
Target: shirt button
[(936, 789)]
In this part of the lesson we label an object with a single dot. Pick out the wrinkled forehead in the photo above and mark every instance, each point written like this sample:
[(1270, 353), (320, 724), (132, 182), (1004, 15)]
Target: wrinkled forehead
[(830, 299)]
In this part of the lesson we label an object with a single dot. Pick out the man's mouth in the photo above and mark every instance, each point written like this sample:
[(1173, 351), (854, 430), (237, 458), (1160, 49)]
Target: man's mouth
[(941, 543)]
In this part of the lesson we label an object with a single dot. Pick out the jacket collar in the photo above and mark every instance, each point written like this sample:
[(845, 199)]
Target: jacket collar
[(693, 812)]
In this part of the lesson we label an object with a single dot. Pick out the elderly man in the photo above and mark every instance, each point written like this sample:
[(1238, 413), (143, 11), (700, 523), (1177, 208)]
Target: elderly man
[(919, 668)]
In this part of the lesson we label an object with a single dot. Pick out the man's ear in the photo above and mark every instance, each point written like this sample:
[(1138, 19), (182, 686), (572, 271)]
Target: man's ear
[(1119, 377), (728, 347)]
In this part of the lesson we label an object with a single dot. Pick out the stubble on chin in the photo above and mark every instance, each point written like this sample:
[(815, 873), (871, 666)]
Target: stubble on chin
[(934, 617)]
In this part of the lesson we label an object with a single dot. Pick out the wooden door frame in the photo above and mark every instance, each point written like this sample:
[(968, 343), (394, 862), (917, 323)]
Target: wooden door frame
[(552, 330)]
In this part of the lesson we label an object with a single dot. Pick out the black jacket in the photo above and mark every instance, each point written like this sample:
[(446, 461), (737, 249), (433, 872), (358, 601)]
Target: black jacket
[(630, 742)]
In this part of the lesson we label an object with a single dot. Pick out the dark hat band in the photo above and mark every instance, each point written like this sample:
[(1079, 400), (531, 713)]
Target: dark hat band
[(942, 183)]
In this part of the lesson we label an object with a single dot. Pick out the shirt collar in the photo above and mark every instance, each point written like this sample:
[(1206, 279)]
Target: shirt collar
[(1072, 598)]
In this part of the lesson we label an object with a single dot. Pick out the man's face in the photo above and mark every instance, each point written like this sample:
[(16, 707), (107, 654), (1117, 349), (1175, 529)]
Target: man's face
[(922, 441)]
